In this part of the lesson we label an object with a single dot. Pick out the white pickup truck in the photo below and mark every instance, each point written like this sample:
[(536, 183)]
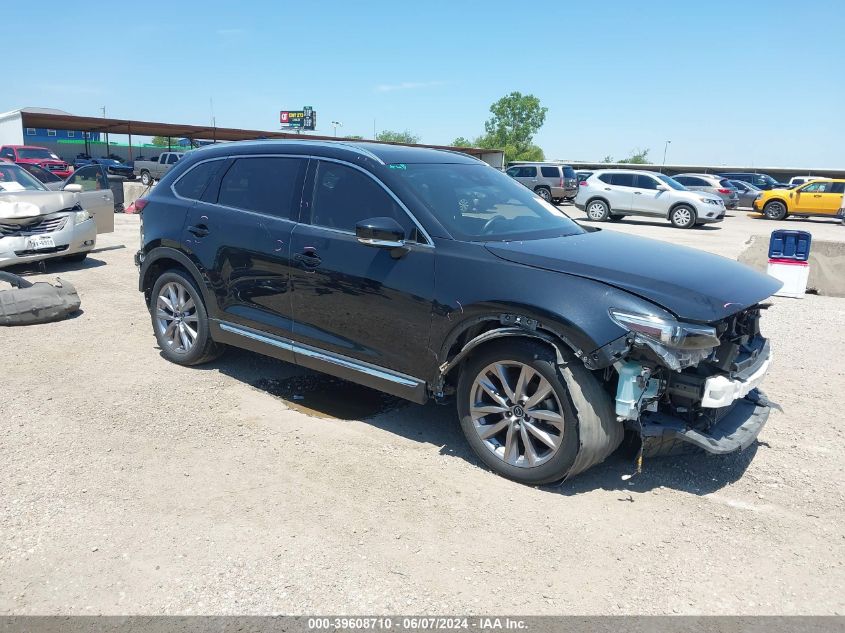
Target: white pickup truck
[(151, 170)]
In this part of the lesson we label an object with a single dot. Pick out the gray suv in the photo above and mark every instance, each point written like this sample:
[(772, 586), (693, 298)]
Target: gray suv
[(551, 181), (711, 183)]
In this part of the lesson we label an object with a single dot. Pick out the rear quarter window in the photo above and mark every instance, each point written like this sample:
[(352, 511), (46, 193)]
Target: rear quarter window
[(192, 184)]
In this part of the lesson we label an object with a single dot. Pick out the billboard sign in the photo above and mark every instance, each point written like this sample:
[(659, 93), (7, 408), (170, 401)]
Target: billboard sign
[(305, 119)]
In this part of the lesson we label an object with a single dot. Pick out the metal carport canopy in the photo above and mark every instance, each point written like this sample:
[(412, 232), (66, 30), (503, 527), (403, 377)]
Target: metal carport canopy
[(194, 132)]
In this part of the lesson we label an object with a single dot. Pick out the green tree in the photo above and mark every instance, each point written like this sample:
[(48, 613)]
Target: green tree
[(462, 142), (607, 159), (398, 137), (161, 141), (516, 119), (637, 157)]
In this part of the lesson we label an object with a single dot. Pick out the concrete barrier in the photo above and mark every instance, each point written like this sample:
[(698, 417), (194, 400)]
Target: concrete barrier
[(132, 190), (827, 264)]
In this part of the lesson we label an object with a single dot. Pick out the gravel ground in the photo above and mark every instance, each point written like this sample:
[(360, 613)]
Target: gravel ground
[(132, 485)]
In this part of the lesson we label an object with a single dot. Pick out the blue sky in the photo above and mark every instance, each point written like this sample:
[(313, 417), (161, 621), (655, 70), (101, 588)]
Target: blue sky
[(752, 83)]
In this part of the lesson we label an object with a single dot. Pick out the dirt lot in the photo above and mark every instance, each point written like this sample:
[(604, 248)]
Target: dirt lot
[(132, 485)]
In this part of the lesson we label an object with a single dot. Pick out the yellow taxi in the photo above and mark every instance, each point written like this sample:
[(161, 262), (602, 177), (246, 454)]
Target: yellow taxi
[(819, 197)]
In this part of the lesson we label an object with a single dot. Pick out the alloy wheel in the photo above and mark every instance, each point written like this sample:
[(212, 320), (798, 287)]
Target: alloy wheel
[(176, 317), (544, 194), (516, 413), (775, 211), (596, 211), (463, 205), (682, 216)]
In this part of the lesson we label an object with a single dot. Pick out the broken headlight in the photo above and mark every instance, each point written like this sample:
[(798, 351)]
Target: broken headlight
[(81, 216), (676, 343)]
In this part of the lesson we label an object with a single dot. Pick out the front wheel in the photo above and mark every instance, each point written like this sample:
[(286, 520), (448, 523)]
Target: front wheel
[(775, 210), (683, 217), (180, 321), (530, 419)]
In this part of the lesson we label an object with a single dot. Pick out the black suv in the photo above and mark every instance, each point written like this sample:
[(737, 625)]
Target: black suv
[(358, 260)]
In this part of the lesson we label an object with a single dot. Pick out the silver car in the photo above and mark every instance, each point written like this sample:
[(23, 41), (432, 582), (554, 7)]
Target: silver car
[(748, 193), (38, 224), (611, 194), (711, 183)]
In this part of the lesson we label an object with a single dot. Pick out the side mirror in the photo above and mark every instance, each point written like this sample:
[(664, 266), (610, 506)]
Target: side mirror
[(73, 188), (662, 188), (380, 232)]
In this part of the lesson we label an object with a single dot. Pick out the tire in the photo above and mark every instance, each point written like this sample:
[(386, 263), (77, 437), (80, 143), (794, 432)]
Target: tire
[(775, 210), (146, 178), (544, 193), (579, 424), (175, 293), (76, 257), (683, 217), (615, 218), (598, 211)]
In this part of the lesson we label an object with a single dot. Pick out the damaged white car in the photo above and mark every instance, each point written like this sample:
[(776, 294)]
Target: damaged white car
[(37, 224)]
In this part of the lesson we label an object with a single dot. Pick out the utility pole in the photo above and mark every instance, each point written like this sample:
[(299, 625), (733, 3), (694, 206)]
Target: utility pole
[(665, 148), (107, 134), (374, 129)]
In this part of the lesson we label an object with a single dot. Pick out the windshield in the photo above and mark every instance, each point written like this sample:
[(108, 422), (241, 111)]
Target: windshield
[(42, 174), (37, 153), (479, 203), (13, 178), (108, 161), (671, 182)]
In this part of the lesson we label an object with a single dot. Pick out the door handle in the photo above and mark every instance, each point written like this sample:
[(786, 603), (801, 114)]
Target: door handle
[(200, 230), (105, 197), (607, 188), (817, 195), (638, 193), (308, 259)]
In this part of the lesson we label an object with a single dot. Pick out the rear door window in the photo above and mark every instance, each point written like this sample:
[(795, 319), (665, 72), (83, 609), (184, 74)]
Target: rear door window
[(264, 184), (550, 171), (623, 180)]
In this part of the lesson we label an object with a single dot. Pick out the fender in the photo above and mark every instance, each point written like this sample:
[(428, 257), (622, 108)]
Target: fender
[(165, 252)]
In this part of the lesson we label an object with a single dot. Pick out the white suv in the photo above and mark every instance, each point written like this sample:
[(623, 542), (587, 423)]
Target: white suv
[(611, 194)]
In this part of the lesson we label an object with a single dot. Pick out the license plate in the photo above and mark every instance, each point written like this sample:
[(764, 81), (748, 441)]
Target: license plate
[(40, 242)]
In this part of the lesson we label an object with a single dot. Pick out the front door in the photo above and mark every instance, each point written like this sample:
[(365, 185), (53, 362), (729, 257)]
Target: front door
[(96, 196), (239, 234), (647, 199), (818, 198), (358, 301)]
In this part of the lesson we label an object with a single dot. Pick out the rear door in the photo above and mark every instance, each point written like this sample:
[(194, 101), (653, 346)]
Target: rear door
[(647, 199), (96, 197), (351, 299), (552, 177), (239, 234), (618, 188)]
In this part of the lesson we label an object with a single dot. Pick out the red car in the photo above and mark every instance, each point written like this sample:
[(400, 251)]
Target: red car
[(41, 156)]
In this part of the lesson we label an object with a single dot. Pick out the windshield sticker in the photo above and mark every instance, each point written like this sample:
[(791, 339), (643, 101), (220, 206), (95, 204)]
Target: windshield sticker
[(398, 166)]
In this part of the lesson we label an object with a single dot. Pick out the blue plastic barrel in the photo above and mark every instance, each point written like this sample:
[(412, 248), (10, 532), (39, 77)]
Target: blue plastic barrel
[(794, 245)]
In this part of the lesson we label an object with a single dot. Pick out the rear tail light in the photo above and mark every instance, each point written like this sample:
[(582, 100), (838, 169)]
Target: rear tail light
[(583, 183), (561, 182), (140, 203), (724, 190)]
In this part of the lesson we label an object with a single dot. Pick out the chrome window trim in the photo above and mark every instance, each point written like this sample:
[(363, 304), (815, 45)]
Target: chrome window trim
[(429, 242), (192, 167), (324, 355)]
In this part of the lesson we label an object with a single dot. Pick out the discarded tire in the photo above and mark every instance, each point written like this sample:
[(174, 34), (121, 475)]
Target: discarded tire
[(30, 303)]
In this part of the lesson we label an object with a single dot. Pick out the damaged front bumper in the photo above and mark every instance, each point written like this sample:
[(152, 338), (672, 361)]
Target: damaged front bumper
[(736, 427)]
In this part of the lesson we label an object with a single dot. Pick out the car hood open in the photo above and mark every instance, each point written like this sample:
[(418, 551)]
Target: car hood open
[(692, 284), (21, 206)]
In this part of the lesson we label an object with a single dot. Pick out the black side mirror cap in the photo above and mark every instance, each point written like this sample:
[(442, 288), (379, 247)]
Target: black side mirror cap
[(381, 232)]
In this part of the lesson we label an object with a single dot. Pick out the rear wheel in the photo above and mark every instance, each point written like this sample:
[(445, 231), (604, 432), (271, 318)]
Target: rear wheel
[(683, 217), (598, 210), (544, 193), (180, 321), (530, 419), (775, 210), (146, 178)]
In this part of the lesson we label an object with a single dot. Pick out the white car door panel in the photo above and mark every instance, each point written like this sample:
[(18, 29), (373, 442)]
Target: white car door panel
[(96, 197)]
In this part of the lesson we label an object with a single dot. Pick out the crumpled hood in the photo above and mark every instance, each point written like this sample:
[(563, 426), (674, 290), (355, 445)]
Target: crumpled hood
[(24, 205), (692, 284)]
